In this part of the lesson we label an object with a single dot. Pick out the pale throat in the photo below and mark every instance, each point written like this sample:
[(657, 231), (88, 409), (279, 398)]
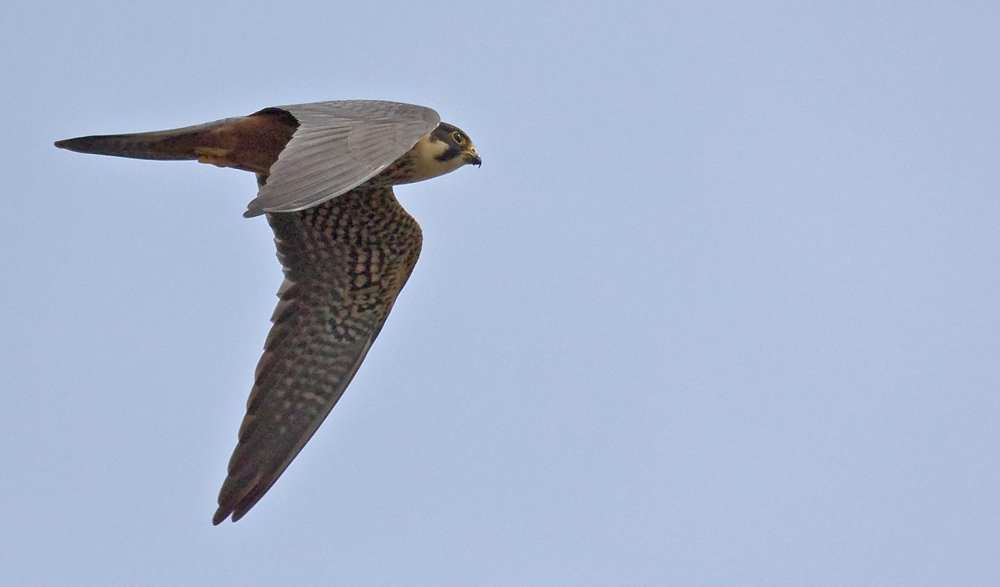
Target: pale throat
[(421, 162)]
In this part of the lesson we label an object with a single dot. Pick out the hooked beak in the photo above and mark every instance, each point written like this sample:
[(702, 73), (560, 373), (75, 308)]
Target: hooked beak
[(472, 157)]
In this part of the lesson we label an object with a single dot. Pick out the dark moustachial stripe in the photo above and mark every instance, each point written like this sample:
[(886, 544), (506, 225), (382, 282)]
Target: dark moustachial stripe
[(443, 134)]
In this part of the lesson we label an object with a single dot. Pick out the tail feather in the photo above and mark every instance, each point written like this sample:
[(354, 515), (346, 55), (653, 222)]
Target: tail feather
[(165, 145)]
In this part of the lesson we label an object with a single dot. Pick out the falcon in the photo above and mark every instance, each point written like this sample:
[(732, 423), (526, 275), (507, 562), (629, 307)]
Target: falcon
[(325, 173)]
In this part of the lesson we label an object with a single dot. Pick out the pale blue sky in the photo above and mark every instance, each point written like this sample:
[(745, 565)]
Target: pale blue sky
[(722, 306)]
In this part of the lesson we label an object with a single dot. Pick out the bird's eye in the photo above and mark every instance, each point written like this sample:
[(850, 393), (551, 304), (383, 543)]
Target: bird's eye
[(458, 137)]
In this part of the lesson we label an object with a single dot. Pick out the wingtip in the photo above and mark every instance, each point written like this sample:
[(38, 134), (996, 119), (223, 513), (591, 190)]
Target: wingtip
[(234, 512), (220, 516), (253, 206)]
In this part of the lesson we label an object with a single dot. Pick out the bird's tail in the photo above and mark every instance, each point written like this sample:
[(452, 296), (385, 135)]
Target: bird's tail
[(191, 142)]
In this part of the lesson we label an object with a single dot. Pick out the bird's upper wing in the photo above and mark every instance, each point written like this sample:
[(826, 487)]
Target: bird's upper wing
[(345, 262), (337, 146)]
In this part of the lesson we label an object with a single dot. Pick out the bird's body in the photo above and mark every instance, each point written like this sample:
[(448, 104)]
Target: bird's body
[(346, 245)]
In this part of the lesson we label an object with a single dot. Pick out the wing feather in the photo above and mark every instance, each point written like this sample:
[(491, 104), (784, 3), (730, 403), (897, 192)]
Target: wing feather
[(345, 261), (338, 146)]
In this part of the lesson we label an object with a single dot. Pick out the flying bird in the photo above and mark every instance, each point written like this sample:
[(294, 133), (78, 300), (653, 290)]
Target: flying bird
[(325, 173)]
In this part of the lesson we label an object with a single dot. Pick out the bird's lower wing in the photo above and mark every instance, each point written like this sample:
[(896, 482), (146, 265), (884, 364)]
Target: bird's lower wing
[(345, 262)]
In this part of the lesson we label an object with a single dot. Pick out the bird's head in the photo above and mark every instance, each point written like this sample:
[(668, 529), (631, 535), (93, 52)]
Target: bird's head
[(444, 150)]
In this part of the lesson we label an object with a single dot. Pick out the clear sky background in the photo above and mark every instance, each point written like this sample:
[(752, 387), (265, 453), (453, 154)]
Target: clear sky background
[(722, 306)]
